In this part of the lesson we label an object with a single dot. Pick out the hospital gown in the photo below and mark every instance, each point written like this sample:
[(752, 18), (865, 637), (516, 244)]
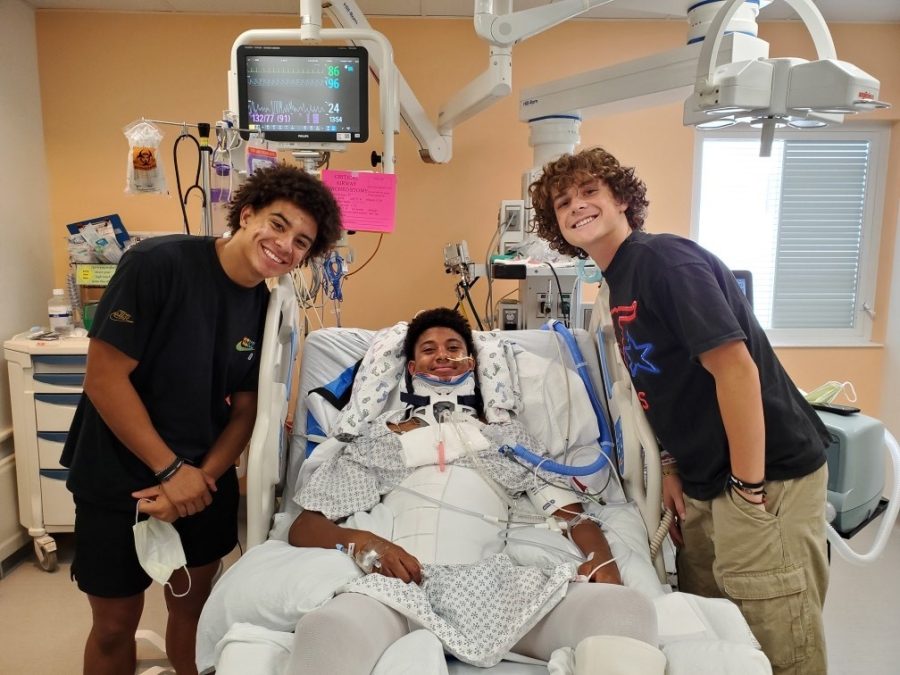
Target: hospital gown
[(477, 610)]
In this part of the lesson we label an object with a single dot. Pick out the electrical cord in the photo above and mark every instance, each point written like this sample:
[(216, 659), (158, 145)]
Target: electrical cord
[(559, 295), (377, 246), (498, 234)]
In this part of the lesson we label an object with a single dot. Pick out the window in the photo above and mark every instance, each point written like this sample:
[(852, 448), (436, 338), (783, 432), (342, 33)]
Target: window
[(805, 221)]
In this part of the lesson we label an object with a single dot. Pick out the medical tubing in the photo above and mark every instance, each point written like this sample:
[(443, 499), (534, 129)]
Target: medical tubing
[(508, 536), (563, 469), (582, 368), (568, 402), (565, 486), (603, 564), (659, 536), (888, 519), (493, 520), (476, 460)]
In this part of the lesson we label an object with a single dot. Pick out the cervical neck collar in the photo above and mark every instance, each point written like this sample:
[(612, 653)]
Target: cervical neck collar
[(431, 398)]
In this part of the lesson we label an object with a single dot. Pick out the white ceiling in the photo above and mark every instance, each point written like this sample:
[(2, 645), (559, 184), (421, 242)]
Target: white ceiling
[(833, 10)]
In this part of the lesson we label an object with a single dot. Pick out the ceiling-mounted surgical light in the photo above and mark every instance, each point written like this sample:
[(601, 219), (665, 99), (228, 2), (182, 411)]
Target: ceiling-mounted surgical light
[(775, 92)]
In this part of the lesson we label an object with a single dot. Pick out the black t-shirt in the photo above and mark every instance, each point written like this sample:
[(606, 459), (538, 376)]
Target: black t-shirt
[(196, 336), (671, 301)]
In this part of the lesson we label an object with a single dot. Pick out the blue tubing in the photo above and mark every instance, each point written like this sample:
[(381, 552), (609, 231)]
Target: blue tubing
[(564, 469), (606, 438)]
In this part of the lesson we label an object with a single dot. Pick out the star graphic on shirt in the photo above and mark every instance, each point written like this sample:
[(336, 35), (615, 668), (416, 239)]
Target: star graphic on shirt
[(637, 356)]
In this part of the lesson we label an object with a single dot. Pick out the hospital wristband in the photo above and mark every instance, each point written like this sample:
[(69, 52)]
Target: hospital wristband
[(169, 471)]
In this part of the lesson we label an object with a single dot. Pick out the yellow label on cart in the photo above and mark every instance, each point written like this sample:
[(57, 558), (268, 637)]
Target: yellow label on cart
[(93, 274)]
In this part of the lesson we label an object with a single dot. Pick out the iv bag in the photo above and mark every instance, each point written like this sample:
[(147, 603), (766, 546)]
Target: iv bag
[(144, 173)]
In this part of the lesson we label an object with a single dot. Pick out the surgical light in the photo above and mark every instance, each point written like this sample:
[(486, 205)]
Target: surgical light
[(774, 92)]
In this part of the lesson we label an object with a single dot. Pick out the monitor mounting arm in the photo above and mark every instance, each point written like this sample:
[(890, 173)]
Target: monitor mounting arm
[(502, 28)]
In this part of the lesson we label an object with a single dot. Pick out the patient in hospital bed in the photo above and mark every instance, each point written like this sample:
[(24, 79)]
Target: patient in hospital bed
[(438, 517)]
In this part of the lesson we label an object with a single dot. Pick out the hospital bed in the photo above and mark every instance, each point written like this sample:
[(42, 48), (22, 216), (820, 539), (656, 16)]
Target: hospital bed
[(248, 621)]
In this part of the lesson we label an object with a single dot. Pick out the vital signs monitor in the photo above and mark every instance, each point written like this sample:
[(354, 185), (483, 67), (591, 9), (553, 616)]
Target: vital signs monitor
[(297, 94)]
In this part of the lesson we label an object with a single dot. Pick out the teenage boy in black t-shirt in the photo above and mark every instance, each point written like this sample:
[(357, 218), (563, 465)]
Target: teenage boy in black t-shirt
[(169, 404), (744, 463)]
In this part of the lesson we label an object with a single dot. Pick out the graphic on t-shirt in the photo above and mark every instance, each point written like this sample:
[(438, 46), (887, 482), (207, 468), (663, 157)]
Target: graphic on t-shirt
[(635, 355), (121, 316), (245, 345)]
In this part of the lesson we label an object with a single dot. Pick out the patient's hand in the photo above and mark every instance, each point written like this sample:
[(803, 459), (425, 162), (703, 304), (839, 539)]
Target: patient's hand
[(608, 574), (393, 561)]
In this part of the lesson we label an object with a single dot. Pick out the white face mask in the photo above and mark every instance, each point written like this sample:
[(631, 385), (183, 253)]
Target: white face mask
[(159, 551)]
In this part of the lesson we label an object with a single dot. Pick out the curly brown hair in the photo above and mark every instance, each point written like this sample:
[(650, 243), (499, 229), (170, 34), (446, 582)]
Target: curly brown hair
[(568, 170), (292, 184)]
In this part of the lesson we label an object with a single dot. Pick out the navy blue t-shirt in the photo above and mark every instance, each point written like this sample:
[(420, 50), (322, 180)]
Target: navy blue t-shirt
[(196, 336), (671, 301)]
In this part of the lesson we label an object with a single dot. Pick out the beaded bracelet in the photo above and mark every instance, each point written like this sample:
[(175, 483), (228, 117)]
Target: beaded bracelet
[(740, 493), (169, 471), (752, 489)]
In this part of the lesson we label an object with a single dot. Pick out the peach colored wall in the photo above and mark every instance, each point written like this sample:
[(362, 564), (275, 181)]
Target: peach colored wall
[(101, 70)]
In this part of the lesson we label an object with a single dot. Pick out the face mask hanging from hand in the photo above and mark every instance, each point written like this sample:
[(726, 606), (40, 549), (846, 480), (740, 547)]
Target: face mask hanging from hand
[(159, 550)]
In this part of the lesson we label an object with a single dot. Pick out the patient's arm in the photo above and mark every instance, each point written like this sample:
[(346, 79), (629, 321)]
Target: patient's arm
[(312, 529), (588, 536)]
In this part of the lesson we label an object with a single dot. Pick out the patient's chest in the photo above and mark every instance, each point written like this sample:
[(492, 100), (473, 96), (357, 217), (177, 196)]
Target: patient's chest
[(429, 518)]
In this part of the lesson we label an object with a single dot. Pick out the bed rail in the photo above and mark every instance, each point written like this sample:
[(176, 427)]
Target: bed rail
[(638, 451), (276, 358)]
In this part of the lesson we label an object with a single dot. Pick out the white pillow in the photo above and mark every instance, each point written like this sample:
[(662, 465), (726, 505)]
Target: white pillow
[(546, 405), (272, 585)]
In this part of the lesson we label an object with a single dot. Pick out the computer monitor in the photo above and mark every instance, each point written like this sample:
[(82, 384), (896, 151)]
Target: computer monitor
[(299, 93), (745, 281)]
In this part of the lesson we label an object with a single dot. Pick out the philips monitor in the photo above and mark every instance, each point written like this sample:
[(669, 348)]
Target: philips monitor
[(300, 94)]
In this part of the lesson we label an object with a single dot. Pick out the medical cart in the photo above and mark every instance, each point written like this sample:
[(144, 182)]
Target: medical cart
[(45, 383)]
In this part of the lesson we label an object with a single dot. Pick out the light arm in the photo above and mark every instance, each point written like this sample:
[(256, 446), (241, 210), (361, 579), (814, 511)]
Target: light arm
[(739, 395)]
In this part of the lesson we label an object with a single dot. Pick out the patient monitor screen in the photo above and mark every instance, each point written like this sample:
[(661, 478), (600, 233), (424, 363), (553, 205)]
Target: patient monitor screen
[(299, 94)]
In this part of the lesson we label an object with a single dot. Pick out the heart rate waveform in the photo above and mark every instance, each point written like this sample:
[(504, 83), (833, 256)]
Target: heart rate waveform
[(271, 66), (298, 82), (285, 107)]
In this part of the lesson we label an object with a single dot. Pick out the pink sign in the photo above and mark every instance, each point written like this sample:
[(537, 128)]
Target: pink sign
[(368, 201)]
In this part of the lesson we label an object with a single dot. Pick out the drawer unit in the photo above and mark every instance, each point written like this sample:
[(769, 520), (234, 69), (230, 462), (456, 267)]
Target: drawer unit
[(46, 381), (54, 412)]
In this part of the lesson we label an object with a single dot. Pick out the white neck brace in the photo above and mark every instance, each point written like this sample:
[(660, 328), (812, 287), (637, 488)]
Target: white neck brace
[(443, 396)]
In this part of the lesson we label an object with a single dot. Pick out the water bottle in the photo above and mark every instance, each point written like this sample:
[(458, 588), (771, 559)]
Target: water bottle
[(59, 309)]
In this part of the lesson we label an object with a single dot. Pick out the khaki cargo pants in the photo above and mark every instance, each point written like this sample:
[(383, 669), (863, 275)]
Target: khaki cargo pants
[(773, 565)]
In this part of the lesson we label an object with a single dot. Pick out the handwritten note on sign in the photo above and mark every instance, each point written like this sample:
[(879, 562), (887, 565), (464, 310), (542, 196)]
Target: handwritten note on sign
[(368, 201)]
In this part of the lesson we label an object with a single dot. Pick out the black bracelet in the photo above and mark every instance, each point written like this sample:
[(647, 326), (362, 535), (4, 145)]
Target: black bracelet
[(744, 485), (169, 471)]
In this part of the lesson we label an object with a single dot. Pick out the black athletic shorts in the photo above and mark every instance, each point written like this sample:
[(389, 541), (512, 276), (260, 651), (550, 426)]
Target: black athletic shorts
[(105, 562)]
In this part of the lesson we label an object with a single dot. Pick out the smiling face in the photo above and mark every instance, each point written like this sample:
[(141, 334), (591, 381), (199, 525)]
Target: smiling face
[(441, 352), (591, 218), (270, 241)]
